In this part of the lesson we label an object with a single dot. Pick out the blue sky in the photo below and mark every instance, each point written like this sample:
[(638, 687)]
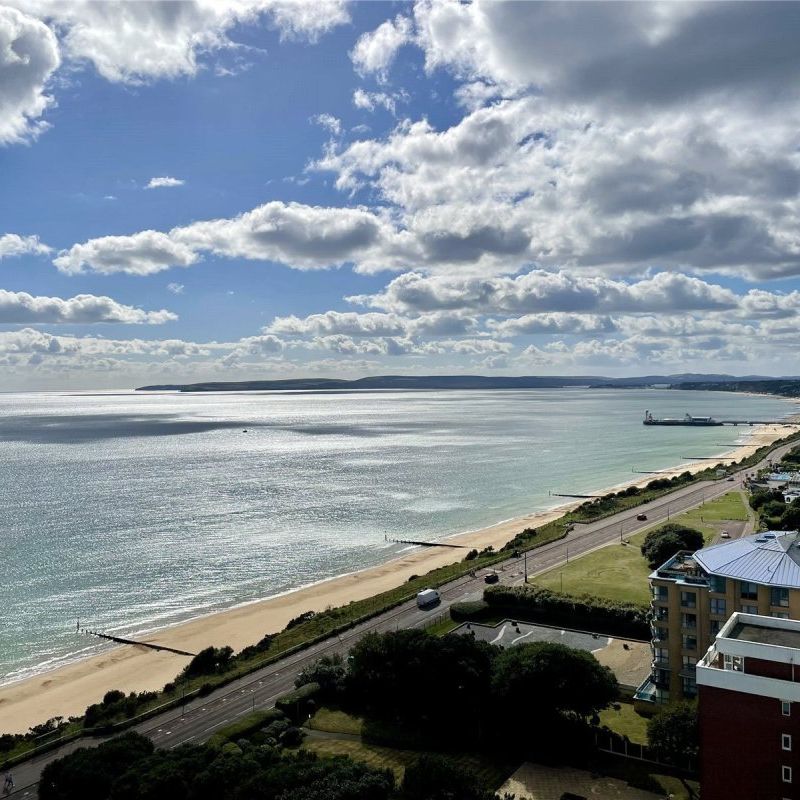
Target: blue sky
[(358, 188)]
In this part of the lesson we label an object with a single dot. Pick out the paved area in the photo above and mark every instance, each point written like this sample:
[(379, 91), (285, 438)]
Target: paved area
[(535, 782), (629, 660)]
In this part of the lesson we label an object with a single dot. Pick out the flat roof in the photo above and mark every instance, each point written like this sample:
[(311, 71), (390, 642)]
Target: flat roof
[(761, 634)]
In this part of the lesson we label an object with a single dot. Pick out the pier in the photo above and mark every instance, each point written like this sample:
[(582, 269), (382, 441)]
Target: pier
[(121, 640), (577, 496), (425, 544)]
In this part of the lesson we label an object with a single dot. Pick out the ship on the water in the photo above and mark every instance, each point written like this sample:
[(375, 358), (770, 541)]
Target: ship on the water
[(649, 419)]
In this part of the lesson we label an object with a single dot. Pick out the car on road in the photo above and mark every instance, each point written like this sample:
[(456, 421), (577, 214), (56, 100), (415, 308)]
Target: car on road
[(731, 479), (725, 535), (641, 517), (492, 577)]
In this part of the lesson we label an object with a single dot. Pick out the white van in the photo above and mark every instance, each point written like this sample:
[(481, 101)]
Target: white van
[(427, 598)]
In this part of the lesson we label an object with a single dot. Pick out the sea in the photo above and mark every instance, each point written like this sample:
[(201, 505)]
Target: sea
[(134, 511)]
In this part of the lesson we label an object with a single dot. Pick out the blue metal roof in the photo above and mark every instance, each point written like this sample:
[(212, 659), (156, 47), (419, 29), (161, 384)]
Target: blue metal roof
[(771, 559)]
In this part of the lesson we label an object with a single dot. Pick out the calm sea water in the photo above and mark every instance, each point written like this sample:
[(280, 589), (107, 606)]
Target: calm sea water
[(136, 511)]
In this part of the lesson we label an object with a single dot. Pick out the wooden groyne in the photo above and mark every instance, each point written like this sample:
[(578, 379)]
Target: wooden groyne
[(578, 496), (122, 640), (424, 544)]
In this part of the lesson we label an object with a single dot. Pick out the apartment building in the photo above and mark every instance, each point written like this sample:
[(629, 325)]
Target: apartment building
[(694, 594), (749, 710)]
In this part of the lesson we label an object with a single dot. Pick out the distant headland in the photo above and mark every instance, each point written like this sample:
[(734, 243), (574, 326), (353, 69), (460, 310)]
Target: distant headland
[(789, 387)]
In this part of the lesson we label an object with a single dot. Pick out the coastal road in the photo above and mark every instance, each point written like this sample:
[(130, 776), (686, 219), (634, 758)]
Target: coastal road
[(200, 718)]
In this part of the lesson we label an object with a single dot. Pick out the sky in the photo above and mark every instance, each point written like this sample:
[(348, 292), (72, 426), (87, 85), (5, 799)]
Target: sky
[(254, 189)]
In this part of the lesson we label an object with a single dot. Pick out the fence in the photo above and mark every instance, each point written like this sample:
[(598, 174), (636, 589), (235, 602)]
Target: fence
[(610, 742)]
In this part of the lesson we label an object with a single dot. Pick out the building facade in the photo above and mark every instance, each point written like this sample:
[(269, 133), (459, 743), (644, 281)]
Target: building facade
[(749, 710), (694, 594)]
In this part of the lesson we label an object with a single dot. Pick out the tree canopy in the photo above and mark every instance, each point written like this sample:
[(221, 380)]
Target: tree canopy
[(662, 543), (673, 732), (544, 678)]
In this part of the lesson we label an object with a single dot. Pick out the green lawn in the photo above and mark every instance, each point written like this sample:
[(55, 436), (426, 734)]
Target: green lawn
[(488, 773), (626, 722), (618, 572), (334, 721), (442, 627)]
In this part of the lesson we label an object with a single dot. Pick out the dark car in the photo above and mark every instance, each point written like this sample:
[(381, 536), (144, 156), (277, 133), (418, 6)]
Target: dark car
[(492, 577), (641, 517)]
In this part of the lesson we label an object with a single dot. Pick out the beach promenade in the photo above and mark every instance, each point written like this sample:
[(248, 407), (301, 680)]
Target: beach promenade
[(202, 717)]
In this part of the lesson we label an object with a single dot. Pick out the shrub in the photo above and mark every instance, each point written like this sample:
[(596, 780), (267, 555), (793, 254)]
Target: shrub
[(295, 704), (209, 661), (300, 619)]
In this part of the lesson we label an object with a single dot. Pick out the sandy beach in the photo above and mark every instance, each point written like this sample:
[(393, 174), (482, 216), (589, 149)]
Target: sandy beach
[(69, 690)]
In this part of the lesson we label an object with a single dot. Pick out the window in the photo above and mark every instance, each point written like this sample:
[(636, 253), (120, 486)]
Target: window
[(689, 599), (714, 626), (748, 591), (661, 657), (749, 609), (690, 643), (786, 708), (689, 620), (716, 584), (689, 662), (786, 741), (735, 663), (660, 593), (689, 686), (718, 606), (662, 613), (779, 597), (786, 774), (780, 614)]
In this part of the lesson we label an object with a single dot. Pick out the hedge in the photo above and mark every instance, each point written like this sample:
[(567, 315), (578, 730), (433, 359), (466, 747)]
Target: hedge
[(469, 611), (583, 612), (295, 704), (245, 726)]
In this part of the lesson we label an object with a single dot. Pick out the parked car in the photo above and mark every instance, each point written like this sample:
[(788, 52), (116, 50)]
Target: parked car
[(492, 577), (731, 479), (724, 535), (641, 517)]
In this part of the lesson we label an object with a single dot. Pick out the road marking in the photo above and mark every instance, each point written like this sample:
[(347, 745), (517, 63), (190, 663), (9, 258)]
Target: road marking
[(499, 635)]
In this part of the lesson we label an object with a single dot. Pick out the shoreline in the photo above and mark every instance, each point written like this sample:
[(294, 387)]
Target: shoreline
[(67, 690)]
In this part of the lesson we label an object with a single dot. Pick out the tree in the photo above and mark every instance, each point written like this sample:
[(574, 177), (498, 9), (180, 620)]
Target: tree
[(329, 672), (673, 733), (89, 773), (434, 777), (790, 519), (543, 679), (410, 678), (209, 661), (662, 543)]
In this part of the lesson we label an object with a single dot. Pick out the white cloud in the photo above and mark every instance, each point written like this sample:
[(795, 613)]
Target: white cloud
[(297, 235), (11, 244), (164, 182), (374, 52), (136, 42), (139, 254), (337, 322), (639, 54), (176, 288), (28, 57), (23, 308), (331, 124), (539, 291), (369, 101)]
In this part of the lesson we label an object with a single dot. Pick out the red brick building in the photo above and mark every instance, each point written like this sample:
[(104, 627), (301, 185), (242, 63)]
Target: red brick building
[(749, 706)]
